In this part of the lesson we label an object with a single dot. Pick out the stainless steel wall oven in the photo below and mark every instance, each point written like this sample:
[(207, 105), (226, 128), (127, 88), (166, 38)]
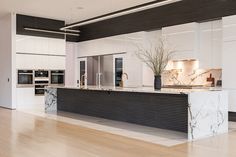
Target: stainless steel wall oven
[(41, 81), (57, 77), (41, 74), (25, 77)]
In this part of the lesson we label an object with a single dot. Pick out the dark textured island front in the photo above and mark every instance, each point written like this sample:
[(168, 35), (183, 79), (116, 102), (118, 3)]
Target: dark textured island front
[(198, 112), (165, 111)]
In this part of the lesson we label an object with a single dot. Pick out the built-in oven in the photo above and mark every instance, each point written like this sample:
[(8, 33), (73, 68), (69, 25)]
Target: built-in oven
[(40, 86), (40, 90), (57, 77), (41, 74), (41, 81), (25, 77)]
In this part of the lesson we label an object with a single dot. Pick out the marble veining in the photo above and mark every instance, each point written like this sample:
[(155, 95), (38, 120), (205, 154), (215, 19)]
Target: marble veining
[(51, 99), (146, 89), (187, 73), (208, 114), (207, 111)]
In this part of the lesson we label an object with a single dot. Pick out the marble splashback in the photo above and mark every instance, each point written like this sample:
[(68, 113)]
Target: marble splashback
[(188, 73)]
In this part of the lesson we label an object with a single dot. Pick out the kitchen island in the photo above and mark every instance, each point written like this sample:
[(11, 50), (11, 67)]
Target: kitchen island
[(198, 112)]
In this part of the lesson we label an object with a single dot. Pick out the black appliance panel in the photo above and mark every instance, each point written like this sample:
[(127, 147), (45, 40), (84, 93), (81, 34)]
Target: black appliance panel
[(41, 73), (118, 70)]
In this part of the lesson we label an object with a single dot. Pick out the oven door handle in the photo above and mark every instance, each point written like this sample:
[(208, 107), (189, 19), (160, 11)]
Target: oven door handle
[(25, 73)]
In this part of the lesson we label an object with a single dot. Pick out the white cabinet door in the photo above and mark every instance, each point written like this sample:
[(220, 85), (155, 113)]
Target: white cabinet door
[(210, 40), (228, 61), (23, 62), (24, 44), (217, 44), (44, 62), (57, 46), (40, 45), (183, 39), (27, 99), (39, 62), (229, 55), (205, 52), (56, 62), (28, 61), (229, 28)]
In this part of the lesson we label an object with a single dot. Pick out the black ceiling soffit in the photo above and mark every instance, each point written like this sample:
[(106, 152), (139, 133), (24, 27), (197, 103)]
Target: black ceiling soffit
[(24, 21), (173, 14)]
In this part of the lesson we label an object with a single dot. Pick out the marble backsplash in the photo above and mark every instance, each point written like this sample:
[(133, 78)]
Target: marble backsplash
[(188, 73)]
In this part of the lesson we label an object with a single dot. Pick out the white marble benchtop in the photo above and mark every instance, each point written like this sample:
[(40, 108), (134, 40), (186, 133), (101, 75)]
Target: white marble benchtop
[(207, 108), (143, 89)]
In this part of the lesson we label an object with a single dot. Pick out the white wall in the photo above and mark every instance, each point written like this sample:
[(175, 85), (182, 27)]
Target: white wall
[(71, 55), (7, 61)]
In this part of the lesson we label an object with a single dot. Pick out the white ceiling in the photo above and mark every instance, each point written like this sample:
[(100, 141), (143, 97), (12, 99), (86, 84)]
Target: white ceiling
[(68, 10)]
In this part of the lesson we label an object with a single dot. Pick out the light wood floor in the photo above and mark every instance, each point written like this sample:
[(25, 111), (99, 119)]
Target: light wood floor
[(25, 135)]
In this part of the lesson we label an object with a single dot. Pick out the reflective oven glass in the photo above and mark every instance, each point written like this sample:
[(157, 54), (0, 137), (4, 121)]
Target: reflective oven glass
[(41, 73), (57, 77), (25, 77), (40, 89)]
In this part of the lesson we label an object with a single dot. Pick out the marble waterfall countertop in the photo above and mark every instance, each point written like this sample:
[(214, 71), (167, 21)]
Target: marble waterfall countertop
[(207, 108), (143, 89)]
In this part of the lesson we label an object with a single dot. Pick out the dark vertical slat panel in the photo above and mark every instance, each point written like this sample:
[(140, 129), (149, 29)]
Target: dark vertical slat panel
[(166, 111)]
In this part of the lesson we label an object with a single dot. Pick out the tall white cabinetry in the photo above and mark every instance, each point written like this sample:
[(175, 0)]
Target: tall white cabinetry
[(210, 45), (183, 39), (39, 53), (198, 41), (228, 59)]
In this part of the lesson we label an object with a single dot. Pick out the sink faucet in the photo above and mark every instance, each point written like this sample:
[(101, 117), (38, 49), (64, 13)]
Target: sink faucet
[(122, 79)]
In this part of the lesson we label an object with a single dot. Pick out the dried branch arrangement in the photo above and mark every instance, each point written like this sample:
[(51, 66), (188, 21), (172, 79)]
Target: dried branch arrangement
[(156, 57)]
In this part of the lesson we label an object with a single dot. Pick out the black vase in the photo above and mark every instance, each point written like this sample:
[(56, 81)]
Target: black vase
[(157, 82)]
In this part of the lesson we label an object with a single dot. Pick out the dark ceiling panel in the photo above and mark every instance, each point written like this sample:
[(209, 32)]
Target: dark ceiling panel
[(23, 21), (173, 14)]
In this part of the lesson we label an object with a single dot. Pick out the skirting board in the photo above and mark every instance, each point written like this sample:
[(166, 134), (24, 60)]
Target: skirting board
[(7, 108)]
